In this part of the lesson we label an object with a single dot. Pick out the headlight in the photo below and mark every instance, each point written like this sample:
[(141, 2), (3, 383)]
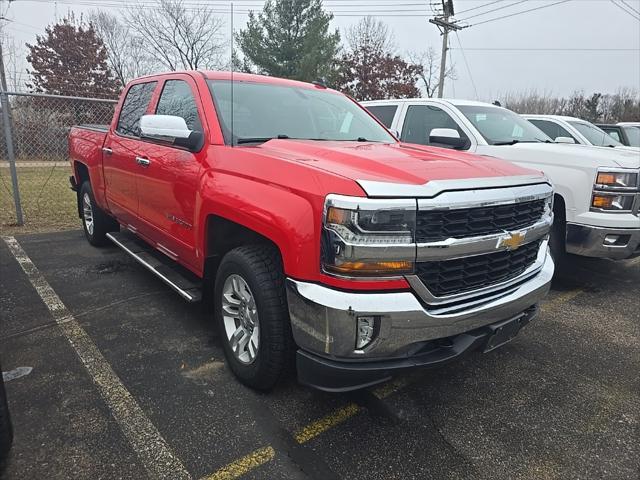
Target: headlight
[(616, 180), (365, 237), (615, 191), (612, 201)]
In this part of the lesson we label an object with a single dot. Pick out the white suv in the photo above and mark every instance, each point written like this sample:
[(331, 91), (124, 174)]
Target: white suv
[(597, 189)]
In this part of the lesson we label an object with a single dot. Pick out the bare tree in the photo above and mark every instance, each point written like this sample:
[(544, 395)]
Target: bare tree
[(13, 55), (429, 62), (126, 59), (624, 105), (371, 35), (179, 37)]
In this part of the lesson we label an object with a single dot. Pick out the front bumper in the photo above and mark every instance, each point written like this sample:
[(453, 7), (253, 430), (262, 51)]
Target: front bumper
[(324, 323), (345, 375), (589, 241)]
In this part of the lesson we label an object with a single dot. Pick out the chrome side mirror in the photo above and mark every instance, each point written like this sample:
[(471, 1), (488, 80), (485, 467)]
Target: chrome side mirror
[(171, 129), (446, 136), (564, 140)]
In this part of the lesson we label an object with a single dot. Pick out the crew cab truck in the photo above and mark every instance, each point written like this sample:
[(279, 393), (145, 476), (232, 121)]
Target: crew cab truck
[(320, 235), (565, 129), (597, 192)]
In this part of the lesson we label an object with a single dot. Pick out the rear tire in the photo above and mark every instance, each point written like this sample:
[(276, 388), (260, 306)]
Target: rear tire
[(95, 221), (252, 316)]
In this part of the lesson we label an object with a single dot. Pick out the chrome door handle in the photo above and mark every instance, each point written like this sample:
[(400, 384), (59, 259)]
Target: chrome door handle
[(145, 162), (107, 151)]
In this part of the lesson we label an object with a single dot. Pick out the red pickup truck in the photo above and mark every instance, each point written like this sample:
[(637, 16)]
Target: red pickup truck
[(322, 238)]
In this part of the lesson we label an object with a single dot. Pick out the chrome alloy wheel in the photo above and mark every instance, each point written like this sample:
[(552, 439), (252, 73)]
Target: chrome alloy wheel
[(87, 213), (240, 316)]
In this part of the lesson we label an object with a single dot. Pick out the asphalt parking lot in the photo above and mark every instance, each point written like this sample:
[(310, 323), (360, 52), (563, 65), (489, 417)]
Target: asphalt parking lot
[(128, 381)]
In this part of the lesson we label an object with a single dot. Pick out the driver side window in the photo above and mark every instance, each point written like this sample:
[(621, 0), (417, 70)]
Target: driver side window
[(422, 119), (552, 129)]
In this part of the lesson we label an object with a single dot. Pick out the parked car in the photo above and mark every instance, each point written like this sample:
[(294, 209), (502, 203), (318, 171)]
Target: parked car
[(6, 429), (628, 135), (318, 231), (597, 193), (574, 130)]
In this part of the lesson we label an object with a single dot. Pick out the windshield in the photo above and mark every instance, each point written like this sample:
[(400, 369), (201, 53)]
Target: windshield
[(502, 127), (633, 135), (594, 135), (262, 112)]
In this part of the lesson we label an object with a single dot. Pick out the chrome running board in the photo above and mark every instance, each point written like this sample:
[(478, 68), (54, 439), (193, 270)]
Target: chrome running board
[(179, 279)]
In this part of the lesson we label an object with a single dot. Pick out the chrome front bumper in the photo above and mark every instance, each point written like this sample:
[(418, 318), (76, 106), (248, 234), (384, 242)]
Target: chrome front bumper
[(589, 241), (324, 320)]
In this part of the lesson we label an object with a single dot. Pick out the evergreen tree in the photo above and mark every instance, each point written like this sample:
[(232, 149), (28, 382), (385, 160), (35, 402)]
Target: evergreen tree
[(290, 39)]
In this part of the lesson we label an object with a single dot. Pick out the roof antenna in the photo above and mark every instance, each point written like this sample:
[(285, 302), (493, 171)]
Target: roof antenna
[(232, 68)]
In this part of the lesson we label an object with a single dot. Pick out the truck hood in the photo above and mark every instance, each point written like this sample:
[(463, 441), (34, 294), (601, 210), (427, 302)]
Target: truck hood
[(554, 154), (393, 163)]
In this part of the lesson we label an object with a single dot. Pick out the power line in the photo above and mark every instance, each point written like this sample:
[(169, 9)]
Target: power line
[(630, 7), (492, 10), (464, 57), (520, 13), (625, 10), (480, 6)]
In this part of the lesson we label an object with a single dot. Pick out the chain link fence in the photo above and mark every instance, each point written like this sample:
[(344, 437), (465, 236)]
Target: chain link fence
[(33, 136)]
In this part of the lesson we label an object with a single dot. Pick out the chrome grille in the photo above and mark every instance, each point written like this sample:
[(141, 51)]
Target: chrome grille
[(438, 225), (450, 277)]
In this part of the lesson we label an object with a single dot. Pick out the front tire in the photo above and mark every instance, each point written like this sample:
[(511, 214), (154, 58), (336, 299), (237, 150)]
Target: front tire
[(557, 240), (6, 430), (95, 221), (252, 316)]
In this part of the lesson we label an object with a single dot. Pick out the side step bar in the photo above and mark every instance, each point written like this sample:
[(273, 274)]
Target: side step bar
[(179, 279)]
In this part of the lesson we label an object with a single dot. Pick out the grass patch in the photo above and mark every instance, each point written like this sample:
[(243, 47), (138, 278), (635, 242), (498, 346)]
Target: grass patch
[(48, 204)]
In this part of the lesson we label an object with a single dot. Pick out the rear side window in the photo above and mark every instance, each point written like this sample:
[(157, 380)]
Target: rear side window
[(135, 105), (384, 113), (552, 129), (422, 119), (177, 99)]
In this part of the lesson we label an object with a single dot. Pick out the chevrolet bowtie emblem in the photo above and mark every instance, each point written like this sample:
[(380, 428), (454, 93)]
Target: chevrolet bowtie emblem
[(513, 241)]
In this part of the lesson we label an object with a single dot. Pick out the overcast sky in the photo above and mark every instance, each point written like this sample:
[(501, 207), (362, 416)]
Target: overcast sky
[(576, 24)]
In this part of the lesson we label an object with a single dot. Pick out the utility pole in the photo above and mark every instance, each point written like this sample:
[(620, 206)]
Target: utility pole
[(444, 25), (11, 156)]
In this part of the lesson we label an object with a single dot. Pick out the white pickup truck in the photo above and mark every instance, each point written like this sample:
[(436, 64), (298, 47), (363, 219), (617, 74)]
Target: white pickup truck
[(574, 130), (597, 196)]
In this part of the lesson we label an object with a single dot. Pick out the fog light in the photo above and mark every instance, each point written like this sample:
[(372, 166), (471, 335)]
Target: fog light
[(611, 239), (366, 327), (616, 240)]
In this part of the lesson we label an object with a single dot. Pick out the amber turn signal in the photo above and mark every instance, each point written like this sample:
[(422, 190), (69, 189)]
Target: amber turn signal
[(338, 216), (602, 201), (372, 268), (606, 179)]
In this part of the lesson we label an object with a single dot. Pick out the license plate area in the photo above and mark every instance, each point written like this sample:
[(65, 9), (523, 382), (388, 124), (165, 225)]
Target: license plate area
[(504, 332)]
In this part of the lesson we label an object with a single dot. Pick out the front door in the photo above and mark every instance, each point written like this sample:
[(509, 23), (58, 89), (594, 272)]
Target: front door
[(167, 182), (119, 154)]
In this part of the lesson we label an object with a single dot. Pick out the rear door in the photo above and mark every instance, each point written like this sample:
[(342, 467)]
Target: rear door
[(119, 154), (168, 185)]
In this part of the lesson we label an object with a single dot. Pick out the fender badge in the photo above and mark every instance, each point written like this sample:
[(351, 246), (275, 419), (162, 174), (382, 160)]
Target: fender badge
[(512, 242)]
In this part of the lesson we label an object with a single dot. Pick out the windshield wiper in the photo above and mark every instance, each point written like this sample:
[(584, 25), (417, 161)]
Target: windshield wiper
[(508, 142), (240, 141)]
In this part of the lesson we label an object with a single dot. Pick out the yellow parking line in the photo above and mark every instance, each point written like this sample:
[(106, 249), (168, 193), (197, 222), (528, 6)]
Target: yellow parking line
[(325, 423), (391, 387), (561, 299), (243, 465)]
